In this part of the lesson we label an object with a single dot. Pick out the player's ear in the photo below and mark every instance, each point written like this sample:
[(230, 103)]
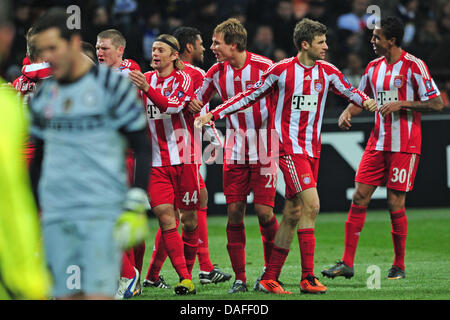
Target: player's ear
[(305, 45), (189, 47), (121, 50)]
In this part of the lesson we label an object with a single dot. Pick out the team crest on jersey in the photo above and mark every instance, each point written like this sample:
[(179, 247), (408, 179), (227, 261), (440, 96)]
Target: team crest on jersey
[(180, 94), (257, 84), (318, 85), (398, 81), (249, 84), (167, 92), (67, 105)]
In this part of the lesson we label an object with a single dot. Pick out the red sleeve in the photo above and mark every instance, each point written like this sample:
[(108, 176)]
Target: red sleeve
[(177, 100)]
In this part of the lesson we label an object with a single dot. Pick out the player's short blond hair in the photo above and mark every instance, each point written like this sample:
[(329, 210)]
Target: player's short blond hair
[(174, 45), (305, 30), (31, 45), (117, 38), (233, 32)]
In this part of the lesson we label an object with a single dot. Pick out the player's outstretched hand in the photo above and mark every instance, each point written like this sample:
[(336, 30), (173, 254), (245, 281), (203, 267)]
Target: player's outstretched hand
[(131, 226), (138, 78), (344, 121), (202, 120), (390, 107), (370, 105), (195, 106)]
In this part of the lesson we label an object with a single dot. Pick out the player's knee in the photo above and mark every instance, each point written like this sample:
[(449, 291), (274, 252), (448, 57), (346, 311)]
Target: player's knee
[(236, 211), (312, 209), (292, 214), (264, 213), (360, 198), (188, 220)]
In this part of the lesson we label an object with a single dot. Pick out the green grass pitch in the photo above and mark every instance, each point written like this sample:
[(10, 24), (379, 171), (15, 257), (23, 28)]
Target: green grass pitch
[(427, 260)]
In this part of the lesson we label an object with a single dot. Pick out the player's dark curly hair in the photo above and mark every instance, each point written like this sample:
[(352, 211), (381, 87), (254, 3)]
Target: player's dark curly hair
[(186, 35), (393, 27)]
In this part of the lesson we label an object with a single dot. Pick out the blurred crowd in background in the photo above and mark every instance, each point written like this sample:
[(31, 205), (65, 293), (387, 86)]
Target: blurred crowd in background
[(269, 24)]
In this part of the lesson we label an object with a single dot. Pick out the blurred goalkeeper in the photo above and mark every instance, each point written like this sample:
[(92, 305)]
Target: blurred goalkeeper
[(82, 121), (22, 270)]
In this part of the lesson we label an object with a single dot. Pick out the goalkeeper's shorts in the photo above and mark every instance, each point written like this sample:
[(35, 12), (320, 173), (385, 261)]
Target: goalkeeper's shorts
[(83, 256)]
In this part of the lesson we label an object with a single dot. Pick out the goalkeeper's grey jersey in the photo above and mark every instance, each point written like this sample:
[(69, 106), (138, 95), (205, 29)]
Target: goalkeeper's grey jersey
[(81, 124)]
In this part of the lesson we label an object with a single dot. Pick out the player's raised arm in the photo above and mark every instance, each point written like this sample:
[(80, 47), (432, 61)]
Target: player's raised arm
[(242, 100), (342, 87)]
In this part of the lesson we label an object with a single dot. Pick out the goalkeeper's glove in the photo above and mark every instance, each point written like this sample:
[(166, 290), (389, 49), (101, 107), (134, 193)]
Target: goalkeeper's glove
[(131, 226)]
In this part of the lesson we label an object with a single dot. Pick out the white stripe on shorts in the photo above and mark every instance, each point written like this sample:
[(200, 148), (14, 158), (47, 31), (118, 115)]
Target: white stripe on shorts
[(411, 168), (293, 173)]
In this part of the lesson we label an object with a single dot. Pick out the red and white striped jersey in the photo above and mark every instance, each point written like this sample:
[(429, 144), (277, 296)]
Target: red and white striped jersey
[(170, 128), (127, 65), (241, 142), (408, 79), (31, 74), (298, 100), (197, 75)]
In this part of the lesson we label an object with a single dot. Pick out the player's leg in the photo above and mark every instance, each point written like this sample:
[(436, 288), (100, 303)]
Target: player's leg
[(399, 222), (263, 183), (208, 272), (402, 172), (162, 195), (356, 219), (371, 174), (236, 189), (159, 255), (282, 243), (188, 201)]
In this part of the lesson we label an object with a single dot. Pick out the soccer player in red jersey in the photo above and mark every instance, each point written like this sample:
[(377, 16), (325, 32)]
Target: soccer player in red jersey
[(34, 70), (174, 174), (110, 48), (404, 90), (298, 87), (191, 53), (244, 169)]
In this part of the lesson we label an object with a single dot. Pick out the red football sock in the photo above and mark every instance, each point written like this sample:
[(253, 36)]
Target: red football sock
[(174, 247), (139, 252), (268, 232), (127, 270), (353, 226), (203, 244), (190, 240), (276, 262), (399, 231), (236, 249), (158, 257), (307, 245)]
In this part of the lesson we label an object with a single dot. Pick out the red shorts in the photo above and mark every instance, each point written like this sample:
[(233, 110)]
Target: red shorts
[(240, 179), (177, 185), (300, 173), (395, 170)]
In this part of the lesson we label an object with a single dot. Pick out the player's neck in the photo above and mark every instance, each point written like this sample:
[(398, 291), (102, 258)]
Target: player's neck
[(165, 72), (80, 67), (393, 55), (237, 61), (117, 64), (305, 60), (187, 58)]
